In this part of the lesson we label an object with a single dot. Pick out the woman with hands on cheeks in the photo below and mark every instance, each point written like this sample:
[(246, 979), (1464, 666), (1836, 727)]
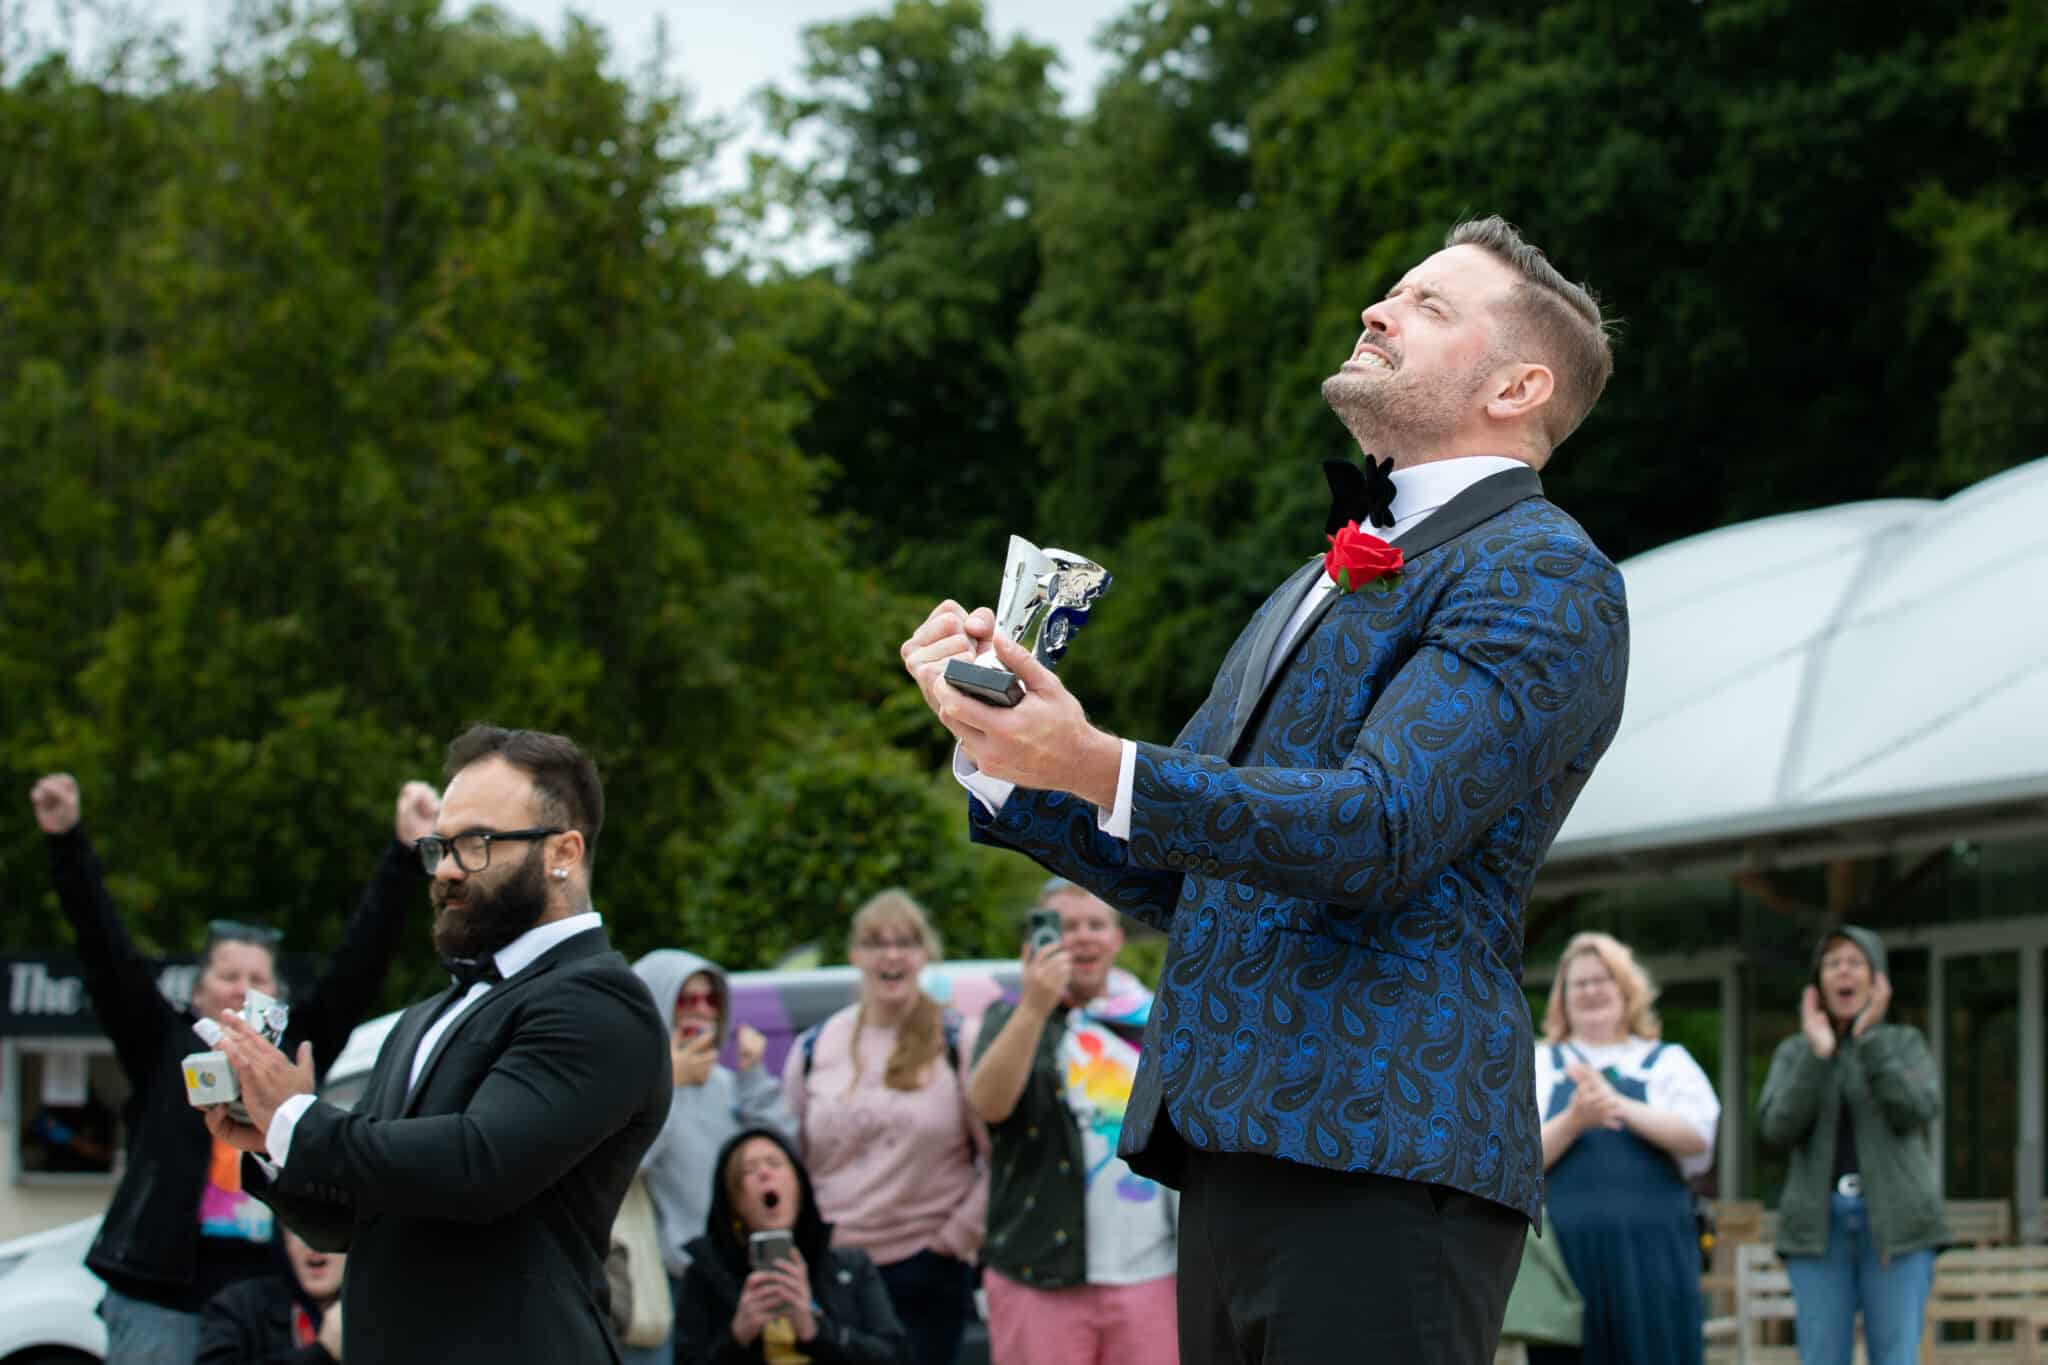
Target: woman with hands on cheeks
[(1627, 1120), (1860, 1214), (819, 1303)]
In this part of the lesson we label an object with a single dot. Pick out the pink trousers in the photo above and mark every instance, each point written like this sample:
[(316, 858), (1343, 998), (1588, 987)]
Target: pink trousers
[(1089, 1324)]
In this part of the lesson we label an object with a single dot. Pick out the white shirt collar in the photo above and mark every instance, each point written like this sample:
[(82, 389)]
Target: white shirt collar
[(1421, 489), (524, 951)]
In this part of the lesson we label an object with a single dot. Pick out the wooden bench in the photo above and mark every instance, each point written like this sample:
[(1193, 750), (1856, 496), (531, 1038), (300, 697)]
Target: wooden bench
[(1988, 1304), (1763, 1294), (1977, 1287), (1978, 1222)]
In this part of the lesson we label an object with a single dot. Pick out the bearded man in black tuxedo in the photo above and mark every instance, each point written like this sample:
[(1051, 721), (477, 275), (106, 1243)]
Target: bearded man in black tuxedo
[(475, 1186)]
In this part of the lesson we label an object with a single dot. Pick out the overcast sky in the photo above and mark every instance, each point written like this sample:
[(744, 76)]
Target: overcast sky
[(723, 49)]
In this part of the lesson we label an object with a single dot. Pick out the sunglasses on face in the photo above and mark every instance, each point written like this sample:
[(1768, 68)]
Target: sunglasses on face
[(696, 1000), (235, 931)]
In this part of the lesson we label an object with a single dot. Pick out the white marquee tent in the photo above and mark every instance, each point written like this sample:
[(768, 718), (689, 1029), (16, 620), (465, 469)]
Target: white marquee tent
[(1840, 682)]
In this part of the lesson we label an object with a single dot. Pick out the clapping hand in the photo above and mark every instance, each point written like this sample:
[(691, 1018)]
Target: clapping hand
[(267, 1079), (1814, 1022), (1594, 1103)]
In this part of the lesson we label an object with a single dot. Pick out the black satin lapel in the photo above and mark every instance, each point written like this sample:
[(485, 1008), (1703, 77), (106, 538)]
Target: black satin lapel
[(412, 1025), (1482, 502), (582, 945), (1251, 668)]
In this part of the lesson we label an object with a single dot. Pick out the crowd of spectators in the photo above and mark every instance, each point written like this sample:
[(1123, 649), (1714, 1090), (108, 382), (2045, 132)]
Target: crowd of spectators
[(908, 1158)]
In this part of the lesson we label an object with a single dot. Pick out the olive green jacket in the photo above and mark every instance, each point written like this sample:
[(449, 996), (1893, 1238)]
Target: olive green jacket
[(1888, 1078)]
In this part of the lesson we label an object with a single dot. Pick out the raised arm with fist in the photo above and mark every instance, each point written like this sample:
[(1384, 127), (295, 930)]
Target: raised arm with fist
[(418, 806), (55, 798)]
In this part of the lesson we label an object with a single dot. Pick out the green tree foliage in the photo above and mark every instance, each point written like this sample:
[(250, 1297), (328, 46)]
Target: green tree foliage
[(1799, 218), (381, 377), (920, 132), (382, 385)]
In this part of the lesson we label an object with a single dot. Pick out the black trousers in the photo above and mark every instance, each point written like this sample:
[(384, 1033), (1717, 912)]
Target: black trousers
[(1286, 1264)]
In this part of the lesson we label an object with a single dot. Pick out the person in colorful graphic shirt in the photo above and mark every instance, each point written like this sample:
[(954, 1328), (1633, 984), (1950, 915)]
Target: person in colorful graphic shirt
[(290, 1318), (1080, 1250), (180, 1227)]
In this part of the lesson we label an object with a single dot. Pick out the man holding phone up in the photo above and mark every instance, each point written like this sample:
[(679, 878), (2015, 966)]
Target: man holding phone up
[(1080, 1249)]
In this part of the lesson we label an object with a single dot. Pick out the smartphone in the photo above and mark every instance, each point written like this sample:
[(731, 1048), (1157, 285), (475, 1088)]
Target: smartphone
[(766, 1248), (1044, 929)]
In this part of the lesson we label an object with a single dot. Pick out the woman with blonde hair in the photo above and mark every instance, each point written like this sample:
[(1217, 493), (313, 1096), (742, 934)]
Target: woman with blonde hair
[(886, 1132), (1627, 1120)]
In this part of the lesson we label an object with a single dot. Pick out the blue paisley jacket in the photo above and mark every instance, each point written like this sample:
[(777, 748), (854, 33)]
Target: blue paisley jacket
[(1341, 859)]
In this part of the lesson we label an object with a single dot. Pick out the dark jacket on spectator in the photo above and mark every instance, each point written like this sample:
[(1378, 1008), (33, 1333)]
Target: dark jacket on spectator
[(1887, 1084), (856, 1324), (148, 1243), (250, 1323)]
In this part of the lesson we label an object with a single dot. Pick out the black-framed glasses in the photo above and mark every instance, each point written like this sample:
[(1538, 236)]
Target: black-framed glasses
[(471, 849)]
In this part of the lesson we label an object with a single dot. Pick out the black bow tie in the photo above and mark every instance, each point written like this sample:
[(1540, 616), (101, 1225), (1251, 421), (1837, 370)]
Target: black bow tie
[(467, 971), (1365, 496)]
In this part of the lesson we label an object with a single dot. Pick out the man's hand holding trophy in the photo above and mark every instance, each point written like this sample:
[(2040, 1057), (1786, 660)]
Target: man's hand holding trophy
[(1046, 597), (988, 675)]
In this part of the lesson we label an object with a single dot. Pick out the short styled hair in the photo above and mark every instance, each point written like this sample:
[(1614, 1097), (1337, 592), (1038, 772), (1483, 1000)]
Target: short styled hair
[(565, 779), (1549, 319)]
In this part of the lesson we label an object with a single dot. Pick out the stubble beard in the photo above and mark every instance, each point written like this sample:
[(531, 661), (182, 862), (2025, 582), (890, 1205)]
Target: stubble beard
[(482, 922), (1390, 416)]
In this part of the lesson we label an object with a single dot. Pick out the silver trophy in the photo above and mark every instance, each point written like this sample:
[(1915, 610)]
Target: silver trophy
[(1046, 597)]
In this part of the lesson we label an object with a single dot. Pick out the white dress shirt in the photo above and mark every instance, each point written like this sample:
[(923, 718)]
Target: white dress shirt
[(513, 958), (1418, 492)]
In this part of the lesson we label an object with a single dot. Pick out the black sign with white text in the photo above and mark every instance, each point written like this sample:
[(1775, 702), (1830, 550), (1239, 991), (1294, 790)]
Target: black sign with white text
[(42, 995)]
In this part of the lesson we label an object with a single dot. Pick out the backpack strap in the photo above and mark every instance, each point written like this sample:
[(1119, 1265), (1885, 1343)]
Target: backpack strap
[(807, 1041), (951, 1022)]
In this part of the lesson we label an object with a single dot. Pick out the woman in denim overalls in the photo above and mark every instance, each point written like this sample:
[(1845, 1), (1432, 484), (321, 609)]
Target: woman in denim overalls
[(1627, 1120)]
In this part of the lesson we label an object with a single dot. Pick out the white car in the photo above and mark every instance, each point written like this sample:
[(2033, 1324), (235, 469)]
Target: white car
[(49, 1301)]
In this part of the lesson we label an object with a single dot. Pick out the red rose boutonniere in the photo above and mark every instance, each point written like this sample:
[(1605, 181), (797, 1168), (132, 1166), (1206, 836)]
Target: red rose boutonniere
[(1358, 557)]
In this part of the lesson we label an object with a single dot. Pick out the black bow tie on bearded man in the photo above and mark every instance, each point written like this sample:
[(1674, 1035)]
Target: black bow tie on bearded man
[(467, 971), (1365, 496)]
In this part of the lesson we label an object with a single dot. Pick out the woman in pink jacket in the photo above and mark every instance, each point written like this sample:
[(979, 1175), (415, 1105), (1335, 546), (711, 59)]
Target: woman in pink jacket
[(896, 1155)]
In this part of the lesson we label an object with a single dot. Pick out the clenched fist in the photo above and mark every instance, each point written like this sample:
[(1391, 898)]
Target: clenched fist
[(418, 807), (55, 798)]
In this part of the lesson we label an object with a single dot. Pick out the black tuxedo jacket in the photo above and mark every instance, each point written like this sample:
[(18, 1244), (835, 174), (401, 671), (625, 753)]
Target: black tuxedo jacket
[(477, 1209)]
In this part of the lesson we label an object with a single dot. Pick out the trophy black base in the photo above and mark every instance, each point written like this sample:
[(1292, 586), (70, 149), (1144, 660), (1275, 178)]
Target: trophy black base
[(996, 686)]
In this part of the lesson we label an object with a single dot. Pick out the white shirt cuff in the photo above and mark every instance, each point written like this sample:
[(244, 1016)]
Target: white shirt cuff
[(1116, 821), (990, 791), (279, 1139)]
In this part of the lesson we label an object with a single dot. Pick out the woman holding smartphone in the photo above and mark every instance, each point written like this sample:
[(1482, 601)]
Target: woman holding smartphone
[(885, 1128), (765, 1282)]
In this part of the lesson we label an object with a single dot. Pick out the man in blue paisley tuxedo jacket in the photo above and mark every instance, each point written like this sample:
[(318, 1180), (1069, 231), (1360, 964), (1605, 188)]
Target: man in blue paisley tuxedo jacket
[(1338, 1068)]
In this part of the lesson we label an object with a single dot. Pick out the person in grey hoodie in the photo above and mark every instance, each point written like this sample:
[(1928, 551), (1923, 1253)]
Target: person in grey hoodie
[(709, 1106), (1860, 1216)]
